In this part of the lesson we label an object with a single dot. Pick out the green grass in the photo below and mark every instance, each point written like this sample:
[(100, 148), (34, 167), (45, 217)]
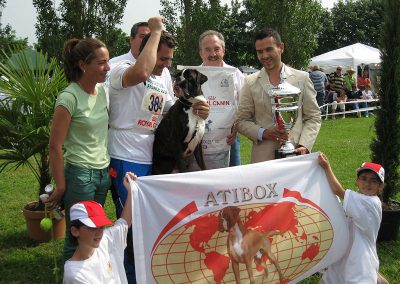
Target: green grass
[(345, 142)]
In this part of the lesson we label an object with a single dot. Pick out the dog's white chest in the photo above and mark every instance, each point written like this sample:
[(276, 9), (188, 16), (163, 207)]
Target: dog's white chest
[(196, 127), (236, 242)]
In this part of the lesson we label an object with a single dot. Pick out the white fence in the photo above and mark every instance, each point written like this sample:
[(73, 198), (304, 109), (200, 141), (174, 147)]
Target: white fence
[(326, 109)]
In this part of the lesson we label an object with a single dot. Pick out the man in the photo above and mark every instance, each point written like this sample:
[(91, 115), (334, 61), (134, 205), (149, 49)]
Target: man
[(138, 32), (319, 79), (336, 80), (255, 117), (349, 79), (139, 94), (354, 96), (212, 52)]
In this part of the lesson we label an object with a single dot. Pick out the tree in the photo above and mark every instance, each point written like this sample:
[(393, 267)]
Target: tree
[(325, 35), (239, 51), (187, 20), (386, 146), (79, 19), (31, 82), (350, 22), (296, 21), (239, 23), (8, 38), (48, 29)]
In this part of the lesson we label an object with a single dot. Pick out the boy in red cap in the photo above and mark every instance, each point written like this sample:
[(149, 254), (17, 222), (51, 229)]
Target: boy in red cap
[(364, 214), (99, 256)]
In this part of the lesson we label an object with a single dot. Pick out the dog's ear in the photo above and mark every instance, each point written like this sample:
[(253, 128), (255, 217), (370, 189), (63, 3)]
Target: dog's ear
[(178, 74), (201, 78)]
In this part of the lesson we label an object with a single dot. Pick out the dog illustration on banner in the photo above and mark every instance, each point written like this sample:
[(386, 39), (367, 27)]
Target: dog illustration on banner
[(180, 132), (246, 245), (208, 125)]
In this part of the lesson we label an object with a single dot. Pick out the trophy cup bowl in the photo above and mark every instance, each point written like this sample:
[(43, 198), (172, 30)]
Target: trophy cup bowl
[(285, 108)]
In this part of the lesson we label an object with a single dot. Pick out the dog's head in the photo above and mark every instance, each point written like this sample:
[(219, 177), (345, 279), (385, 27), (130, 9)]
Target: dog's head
[(188, 85), (227, 218)]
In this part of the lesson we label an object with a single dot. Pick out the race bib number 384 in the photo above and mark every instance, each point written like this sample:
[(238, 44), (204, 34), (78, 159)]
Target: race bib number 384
[(152, 105), (153, 102)]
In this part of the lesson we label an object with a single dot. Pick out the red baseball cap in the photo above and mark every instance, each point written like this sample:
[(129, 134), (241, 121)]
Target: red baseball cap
[(89, 213), (377, 168)]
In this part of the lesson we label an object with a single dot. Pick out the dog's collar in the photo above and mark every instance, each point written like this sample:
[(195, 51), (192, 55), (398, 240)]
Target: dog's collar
[(185, 102)]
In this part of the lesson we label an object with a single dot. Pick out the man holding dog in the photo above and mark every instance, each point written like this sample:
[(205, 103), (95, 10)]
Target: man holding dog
[(128, 145), (255, 117), (140, 92), (212, 52)]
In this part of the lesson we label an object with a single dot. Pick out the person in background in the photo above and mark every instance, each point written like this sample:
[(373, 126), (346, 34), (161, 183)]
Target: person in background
[(354, 96), (364, 80), (99, 254), (255, 117), (367, 94), (349, 79), (340, 99), (363, 209), (80, 126), (138, 32), (320, 81), (336, 80)]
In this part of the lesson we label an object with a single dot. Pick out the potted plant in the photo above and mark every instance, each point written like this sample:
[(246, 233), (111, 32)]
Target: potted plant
[(386, 146), (30, 83)]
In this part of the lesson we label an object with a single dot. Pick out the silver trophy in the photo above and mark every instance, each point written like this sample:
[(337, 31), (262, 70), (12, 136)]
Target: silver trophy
[(285, 108)]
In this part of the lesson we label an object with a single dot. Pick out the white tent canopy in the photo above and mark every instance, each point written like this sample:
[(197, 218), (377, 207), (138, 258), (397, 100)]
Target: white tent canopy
[(348, 56)]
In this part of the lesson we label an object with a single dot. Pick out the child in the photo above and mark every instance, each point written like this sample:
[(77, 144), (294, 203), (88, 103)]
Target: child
[(98, 258), (360, 264)]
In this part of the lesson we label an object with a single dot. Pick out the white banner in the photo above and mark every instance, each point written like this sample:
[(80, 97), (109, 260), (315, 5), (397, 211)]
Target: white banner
[(219, 92), (288, 224)]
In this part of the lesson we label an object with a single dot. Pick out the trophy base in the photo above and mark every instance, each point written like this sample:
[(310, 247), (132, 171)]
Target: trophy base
[(286, 150), (281, 155)]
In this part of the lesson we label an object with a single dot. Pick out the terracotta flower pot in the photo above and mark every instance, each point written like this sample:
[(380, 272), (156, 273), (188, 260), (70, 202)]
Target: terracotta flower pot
[(36, 233)]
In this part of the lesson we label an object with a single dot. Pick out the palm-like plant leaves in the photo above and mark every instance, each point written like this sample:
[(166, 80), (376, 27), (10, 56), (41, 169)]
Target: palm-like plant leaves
[(31, 83)]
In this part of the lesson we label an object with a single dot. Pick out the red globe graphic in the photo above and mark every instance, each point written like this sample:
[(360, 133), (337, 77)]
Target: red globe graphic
[(197, 252)]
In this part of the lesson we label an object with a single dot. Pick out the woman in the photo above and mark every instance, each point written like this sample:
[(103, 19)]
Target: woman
[(80, 125)]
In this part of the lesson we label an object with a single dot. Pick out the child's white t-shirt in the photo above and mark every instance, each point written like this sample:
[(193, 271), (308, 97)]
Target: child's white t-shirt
[(106, 265), (360, 264)]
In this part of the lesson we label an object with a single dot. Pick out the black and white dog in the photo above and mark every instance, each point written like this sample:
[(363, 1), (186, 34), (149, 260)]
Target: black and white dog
[(180, 132)]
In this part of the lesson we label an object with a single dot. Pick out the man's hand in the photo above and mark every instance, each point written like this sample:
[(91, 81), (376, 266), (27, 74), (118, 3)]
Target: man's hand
[(230, 139), (275, 134), (156, 24), (201, 109)]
